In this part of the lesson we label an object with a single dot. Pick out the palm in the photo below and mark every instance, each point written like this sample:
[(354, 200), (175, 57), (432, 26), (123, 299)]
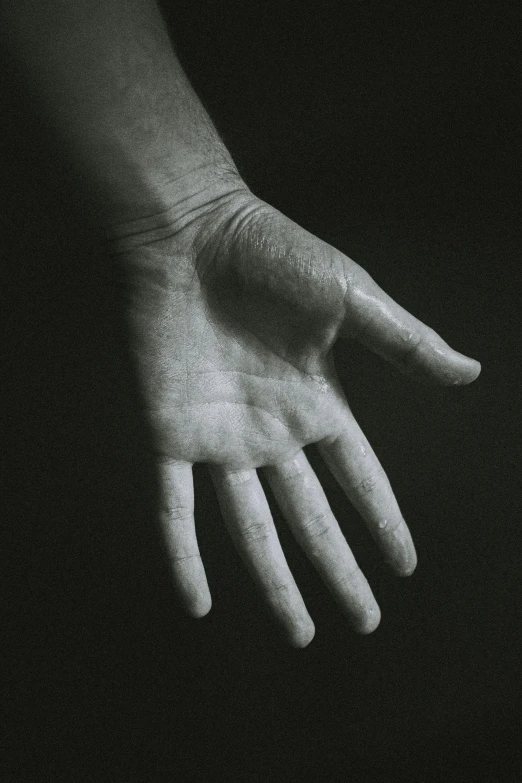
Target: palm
[(234, 317), (238, 368), (248, 404)]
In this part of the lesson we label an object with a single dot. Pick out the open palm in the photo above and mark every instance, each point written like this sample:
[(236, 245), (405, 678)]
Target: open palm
[(234, 314)]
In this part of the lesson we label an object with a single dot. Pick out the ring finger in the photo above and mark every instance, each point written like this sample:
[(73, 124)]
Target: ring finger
[(248, 518), (307, 511)]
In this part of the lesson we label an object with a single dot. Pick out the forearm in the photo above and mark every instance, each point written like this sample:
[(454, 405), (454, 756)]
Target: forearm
[(106, 75)]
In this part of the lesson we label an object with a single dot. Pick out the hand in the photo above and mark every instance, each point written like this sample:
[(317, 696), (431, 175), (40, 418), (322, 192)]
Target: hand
[(234, 312)]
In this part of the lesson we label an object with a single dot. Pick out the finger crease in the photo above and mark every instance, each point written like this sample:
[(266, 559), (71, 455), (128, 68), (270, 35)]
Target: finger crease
[(285, 587), (367, 485), (182, 558), (178, 514), (317, 526), (347, 577), (256, 532)]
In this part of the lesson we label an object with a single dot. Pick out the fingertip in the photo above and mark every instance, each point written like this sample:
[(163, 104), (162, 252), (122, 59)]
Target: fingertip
[(452, 368), (199, 605), (301, 636), (402, 557), (369, 621), (470, 371), (435, 361), (458, 369), (405, 569)]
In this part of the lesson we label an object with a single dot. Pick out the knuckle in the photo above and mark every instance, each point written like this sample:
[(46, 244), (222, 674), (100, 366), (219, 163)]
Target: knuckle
[(256, 531), (278, 588), (182, 558), (177, 513), (369, 484), (318, 525)]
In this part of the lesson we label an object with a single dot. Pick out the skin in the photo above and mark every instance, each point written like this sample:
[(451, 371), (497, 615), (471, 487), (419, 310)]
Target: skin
[(234, 311)]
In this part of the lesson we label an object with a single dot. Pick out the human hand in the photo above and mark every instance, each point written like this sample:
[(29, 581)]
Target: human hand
[(234, 310)]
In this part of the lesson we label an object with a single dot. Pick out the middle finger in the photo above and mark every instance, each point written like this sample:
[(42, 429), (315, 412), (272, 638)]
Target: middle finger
[(249, 520), (307, 511)]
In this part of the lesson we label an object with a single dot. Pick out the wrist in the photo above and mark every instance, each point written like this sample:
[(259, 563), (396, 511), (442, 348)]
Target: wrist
[(178, 202)]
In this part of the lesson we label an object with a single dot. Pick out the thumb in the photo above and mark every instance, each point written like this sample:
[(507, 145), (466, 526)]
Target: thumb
[(374, 319)]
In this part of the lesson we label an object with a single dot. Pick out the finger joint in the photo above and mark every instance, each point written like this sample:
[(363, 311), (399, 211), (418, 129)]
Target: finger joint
[(256, 531), (178, 513), (317, 526), (368, 485)]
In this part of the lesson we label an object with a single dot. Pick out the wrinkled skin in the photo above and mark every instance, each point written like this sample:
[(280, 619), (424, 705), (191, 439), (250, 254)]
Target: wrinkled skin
[(234, 310)]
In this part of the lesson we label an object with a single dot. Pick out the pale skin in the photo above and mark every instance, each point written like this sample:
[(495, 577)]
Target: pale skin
[(233, 312)]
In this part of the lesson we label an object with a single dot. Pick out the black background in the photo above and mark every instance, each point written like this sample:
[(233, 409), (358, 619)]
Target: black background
[(388, 129)]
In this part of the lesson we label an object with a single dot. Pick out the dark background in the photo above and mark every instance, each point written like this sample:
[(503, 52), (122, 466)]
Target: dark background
[(388, 129)]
